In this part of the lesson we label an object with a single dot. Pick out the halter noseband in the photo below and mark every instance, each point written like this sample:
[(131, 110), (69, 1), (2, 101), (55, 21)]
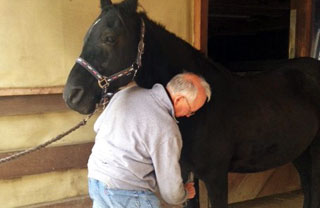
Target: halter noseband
[(104, 81)]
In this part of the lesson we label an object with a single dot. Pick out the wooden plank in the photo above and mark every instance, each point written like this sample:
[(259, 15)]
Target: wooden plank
[(201, 25), (303, 27), (76, 202), (31, 91), (46, 160), (31, 104), (292, 33)]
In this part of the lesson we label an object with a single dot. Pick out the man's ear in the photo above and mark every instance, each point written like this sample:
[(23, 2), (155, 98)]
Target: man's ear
[(176, 99), (178, 105)]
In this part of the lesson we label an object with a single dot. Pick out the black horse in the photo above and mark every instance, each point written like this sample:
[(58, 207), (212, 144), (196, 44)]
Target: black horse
[(253, 122)]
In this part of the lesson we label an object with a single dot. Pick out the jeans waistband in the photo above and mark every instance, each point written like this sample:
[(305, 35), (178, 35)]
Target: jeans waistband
[(118, 191), (128, 192)]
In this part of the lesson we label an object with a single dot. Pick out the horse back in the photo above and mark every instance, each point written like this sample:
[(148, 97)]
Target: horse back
[(271, 117)]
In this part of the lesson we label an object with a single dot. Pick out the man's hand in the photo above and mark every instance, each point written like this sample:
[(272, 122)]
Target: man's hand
[(191, 191)]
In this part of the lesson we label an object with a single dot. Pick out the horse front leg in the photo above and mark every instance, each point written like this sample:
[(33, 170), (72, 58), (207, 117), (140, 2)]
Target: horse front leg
[(303, 166), (217, 187), (308, 166)]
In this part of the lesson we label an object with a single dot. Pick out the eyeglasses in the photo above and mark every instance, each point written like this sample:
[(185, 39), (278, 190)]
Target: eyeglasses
[(191, 113)]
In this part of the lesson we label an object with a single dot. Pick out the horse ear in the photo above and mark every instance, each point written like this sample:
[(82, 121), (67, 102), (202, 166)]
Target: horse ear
[(130, 5), (104, 3)]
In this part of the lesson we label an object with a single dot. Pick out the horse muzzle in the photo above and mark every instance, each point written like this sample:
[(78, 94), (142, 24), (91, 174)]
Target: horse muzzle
[(74, 97)]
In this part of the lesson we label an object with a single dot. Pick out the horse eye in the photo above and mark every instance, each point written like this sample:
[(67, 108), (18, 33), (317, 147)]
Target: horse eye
[(109, 39)]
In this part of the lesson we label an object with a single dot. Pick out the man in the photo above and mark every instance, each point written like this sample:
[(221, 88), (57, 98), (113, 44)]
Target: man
[(138, 144)]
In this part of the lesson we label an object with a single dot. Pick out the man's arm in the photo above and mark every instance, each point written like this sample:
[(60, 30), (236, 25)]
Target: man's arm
[(165, 159)]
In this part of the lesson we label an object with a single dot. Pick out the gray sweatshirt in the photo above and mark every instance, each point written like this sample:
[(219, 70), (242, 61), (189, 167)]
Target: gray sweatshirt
[(138, 144)]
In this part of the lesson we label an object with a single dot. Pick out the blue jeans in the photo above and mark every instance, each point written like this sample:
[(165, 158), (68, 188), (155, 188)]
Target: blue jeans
[(104, 197)]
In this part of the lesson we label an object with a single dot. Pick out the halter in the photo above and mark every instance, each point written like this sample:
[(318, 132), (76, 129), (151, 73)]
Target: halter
[(104, 81)]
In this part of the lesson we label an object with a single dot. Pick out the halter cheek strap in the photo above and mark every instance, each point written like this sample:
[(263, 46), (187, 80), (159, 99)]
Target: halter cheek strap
[(102, 81)]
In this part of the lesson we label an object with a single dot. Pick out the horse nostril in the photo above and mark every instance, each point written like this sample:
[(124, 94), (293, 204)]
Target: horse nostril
[(76, 95)]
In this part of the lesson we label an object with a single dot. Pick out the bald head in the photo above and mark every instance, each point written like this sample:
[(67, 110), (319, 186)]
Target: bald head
[(188, 93)]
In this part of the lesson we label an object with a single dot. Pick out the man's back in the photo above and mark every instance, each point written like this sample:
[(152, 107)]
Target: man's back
[(138, 144), (133, 126)]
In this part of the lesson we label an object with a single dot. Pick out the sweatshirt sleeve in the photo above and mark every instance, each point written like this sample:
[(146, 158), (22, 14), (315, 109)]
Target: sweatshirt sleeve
[(165, 159)]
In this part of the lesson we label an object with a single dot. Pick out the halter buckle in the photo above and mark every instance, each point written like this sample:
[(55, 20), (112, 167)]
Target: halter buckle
[(103, 82)]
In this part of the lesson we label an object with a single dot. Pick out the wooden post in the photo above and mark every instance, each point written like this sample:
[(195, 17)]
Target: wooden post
[(303, 27), (201, 25), (201, 14), (31, 91)]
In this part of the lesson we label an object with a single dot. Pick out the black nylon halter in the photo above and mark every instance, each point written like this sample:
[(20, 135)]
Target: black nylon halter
[(104, 81)]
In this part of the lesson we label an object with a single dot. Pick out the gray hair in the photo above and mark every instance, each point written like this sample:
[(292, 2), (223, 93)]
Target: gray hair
[(185, 87)]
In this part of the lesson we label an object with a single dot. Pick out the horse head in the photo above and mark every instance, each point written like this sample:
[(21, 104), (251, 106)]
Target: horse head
[(110, 46), (115, 42)]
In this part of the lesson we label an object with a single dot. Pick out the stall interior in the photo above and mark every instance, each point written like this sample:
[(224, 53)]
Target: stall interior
[(248, 30)]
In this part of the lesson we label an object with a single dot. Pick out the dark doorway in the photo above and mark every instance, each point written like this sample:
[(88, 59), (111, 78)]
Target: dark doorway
[(248, 30)]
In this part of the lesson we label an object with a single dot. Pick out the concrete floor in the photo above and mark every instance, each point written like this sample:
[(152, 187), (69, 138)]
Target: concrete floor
[(290, 200)]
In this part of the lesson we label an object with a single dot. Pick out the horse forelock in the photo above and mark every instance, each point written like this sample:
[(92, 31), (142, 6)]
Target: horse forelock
[(104, 12)]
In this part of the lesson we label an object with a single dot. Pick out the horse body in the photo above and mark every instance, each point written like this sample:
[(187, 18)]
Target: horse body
[(266, 120), (253, 122)]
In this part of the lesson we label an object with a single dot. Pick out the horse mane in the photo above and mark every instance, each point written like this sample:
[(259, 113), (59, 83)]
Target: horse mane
[(179, 54)]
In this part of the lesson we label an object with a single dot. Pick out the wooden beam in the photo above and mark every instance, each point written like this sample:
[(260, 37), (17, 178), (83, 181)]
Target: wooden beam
[(31, 104), (201, 15), (31, 91), (303, 27), (292, 33), (46, 160), (75, 202), (201, 25)]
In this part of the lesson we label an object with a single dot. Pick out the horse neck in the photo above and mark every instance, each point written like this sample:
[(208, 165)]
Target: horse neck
[(167, 55)]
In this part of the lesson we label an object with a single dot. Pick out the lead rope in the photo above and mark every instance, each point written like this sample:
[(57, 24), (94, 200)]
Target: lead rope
[(41, 146)]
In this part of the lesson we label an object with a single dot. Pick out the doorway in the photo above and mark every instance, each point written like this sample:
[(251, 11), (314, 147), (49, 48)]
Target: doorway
[(233, 31), (252, 30)]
